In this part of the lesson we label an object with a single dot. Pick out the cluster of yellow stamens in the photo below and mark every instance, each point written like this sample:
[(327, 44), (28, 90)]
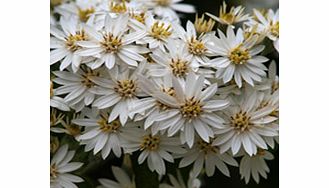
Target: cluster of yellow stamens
[(179, 67), (55, 118), (192, 108), (241, 121), (274, 29), (139, 17), (126, 88), (229, 17), (196, 47), (118, 7), (163, 3), (150, 143), (72, 39), (160, 31), (107, 127), (84, 14), (111, 43), (203, 26), (239, 56), (207, 147), (53, 172), (87, 76)]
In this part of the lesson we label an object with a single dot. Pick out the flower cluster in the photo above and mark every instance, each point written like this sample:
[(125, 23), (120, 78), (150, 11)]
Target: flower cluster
[(128, 78)]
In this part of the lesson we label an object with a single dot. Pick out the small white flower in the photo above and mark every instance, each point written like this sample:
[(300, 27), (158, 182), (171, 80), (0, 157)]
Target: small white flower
[(255, 165), (64, 43), (124, 181), (57, 102), (167, 8), (239, 58), (194, 109), (60, 166), (112, 45), (245, 125), (235, 15), (208, 154), (100, 134), (154, 148), (121, 91), (77, 86)]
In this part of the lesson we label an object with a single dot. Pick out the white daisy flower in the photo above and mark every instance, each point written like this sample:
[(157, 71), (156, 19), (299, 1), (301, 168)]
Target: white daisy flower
[(268, 24), (167, 8), (77, 86), (245, 124), (121, 92), (235, 15), (64, 43), (100, 134), (159, 32), (154, 148), (124, 181), (80, 9), (150, 108), (196, 46), (239, 58), (60, 166), (208, 155), (57, 102), (192, 182), (255, 165), (113, 44), (194, 109)]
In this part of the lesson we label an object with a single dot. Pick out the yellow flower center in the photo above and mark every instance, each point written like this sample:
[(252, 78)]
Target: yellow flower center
[(73, 129), (72, 39), (84, 14), (53, 172), (207, 147), (203, 26), (111, 43), (239, 56), (241, 121), (150, 143), (191, 108), (160, 31), (139, 17), (163, 3), (126, 88), (118, 7), (108, 127), (87, 78), (229, 17), (179, 67), (55, 2), (274, 29), (196, 47)]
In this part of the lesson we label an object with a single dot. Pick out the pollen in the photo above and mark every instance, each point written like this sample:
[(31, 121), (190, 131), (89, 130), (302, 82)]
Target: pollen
[(118, 7), (87, 76), (111, 43), (239, 56), (192, 108), (72, 39), (53, 172), (150, 143), (163, 3), (84, 14), (179, 67), (126, 88), (160, 31), (196, 47), (274, 29), (202, 25), (107, 127), (241, 121), (207, 147)]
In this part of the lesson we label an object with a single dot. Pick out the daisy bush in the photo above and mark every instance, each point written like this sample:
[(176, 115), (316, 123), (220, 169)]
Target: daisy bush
[(140, 97)]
